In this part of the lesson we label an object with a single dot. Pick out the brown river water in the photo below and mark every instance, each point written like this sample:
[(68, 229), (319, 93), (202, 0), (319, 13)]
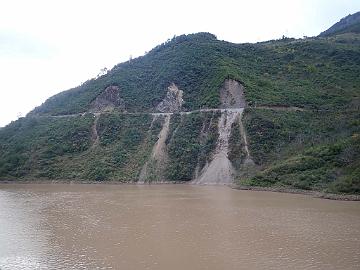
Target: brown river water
[(64, 226)]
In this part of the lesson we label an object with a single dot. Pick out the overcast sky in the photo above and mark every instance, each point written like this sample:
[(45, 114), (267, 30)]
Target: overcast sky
[(50, 46)]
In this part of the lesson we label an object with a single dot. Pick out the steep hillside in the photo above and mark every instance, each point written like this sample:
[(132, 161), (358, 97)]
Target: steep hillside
[(349, 24), (305, 149), (311, 73), (281, 113)]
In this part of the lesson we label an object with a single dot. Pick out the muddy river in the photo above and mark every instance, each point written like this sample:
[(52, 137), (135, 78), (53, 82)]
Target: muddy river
[(44, 226)]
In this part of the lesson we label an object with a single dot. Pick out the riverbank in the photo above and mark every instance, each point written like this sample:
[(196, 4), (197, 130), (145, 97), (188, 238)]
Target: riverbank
[(316, 194), (312, 193)]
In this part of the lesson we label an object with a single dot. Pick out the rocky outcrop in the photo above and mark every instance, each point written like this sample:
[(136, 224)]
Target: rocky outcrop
[(232, 95), (108, 100), (173, 100)]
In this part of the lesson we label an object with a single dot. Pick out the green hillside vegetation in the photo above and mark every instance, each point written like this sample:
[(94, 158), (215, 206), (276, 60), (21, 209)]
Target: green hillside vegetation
[(302, 120), (63, 148), (191, 145), (311, 73), (349, 24), (30, 145), (312, 150)]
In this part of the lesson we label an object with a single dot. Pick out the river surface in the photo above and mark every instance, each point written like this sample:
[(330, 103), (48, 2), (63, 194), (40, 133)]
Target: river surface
[(64, 226)]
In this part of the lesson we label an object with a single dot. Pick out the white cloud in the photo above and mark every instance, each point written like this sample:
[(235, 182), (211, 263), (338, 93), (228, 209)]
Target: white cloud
[(50, 46)]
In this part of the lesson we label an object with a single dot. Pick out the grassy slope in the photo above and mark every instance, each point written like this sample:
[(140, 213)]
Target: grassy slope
[(318, 74), (30, 146), (314, 73), (306, 150), (62, 148), (191, 142)]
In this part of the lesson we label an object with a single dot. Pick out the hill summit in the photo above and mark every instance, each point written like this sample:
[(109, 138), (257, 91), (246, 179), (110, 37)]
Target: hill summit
[(280, 114), (349, 24)]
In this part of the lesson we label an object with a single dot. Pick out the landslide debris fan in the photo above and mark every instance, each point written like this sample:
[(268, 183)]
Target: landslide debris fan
[(159, 118), (140, 147)]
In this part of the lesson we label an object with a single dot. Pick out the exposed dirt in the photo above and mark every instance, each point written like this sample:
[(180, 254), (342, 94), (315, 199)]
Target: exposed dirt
[(203, 136), (173, 100), (248, 160), (153, 169), (108, 100), (94, 133), (159, 151), (220, 170), (232, 94)]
